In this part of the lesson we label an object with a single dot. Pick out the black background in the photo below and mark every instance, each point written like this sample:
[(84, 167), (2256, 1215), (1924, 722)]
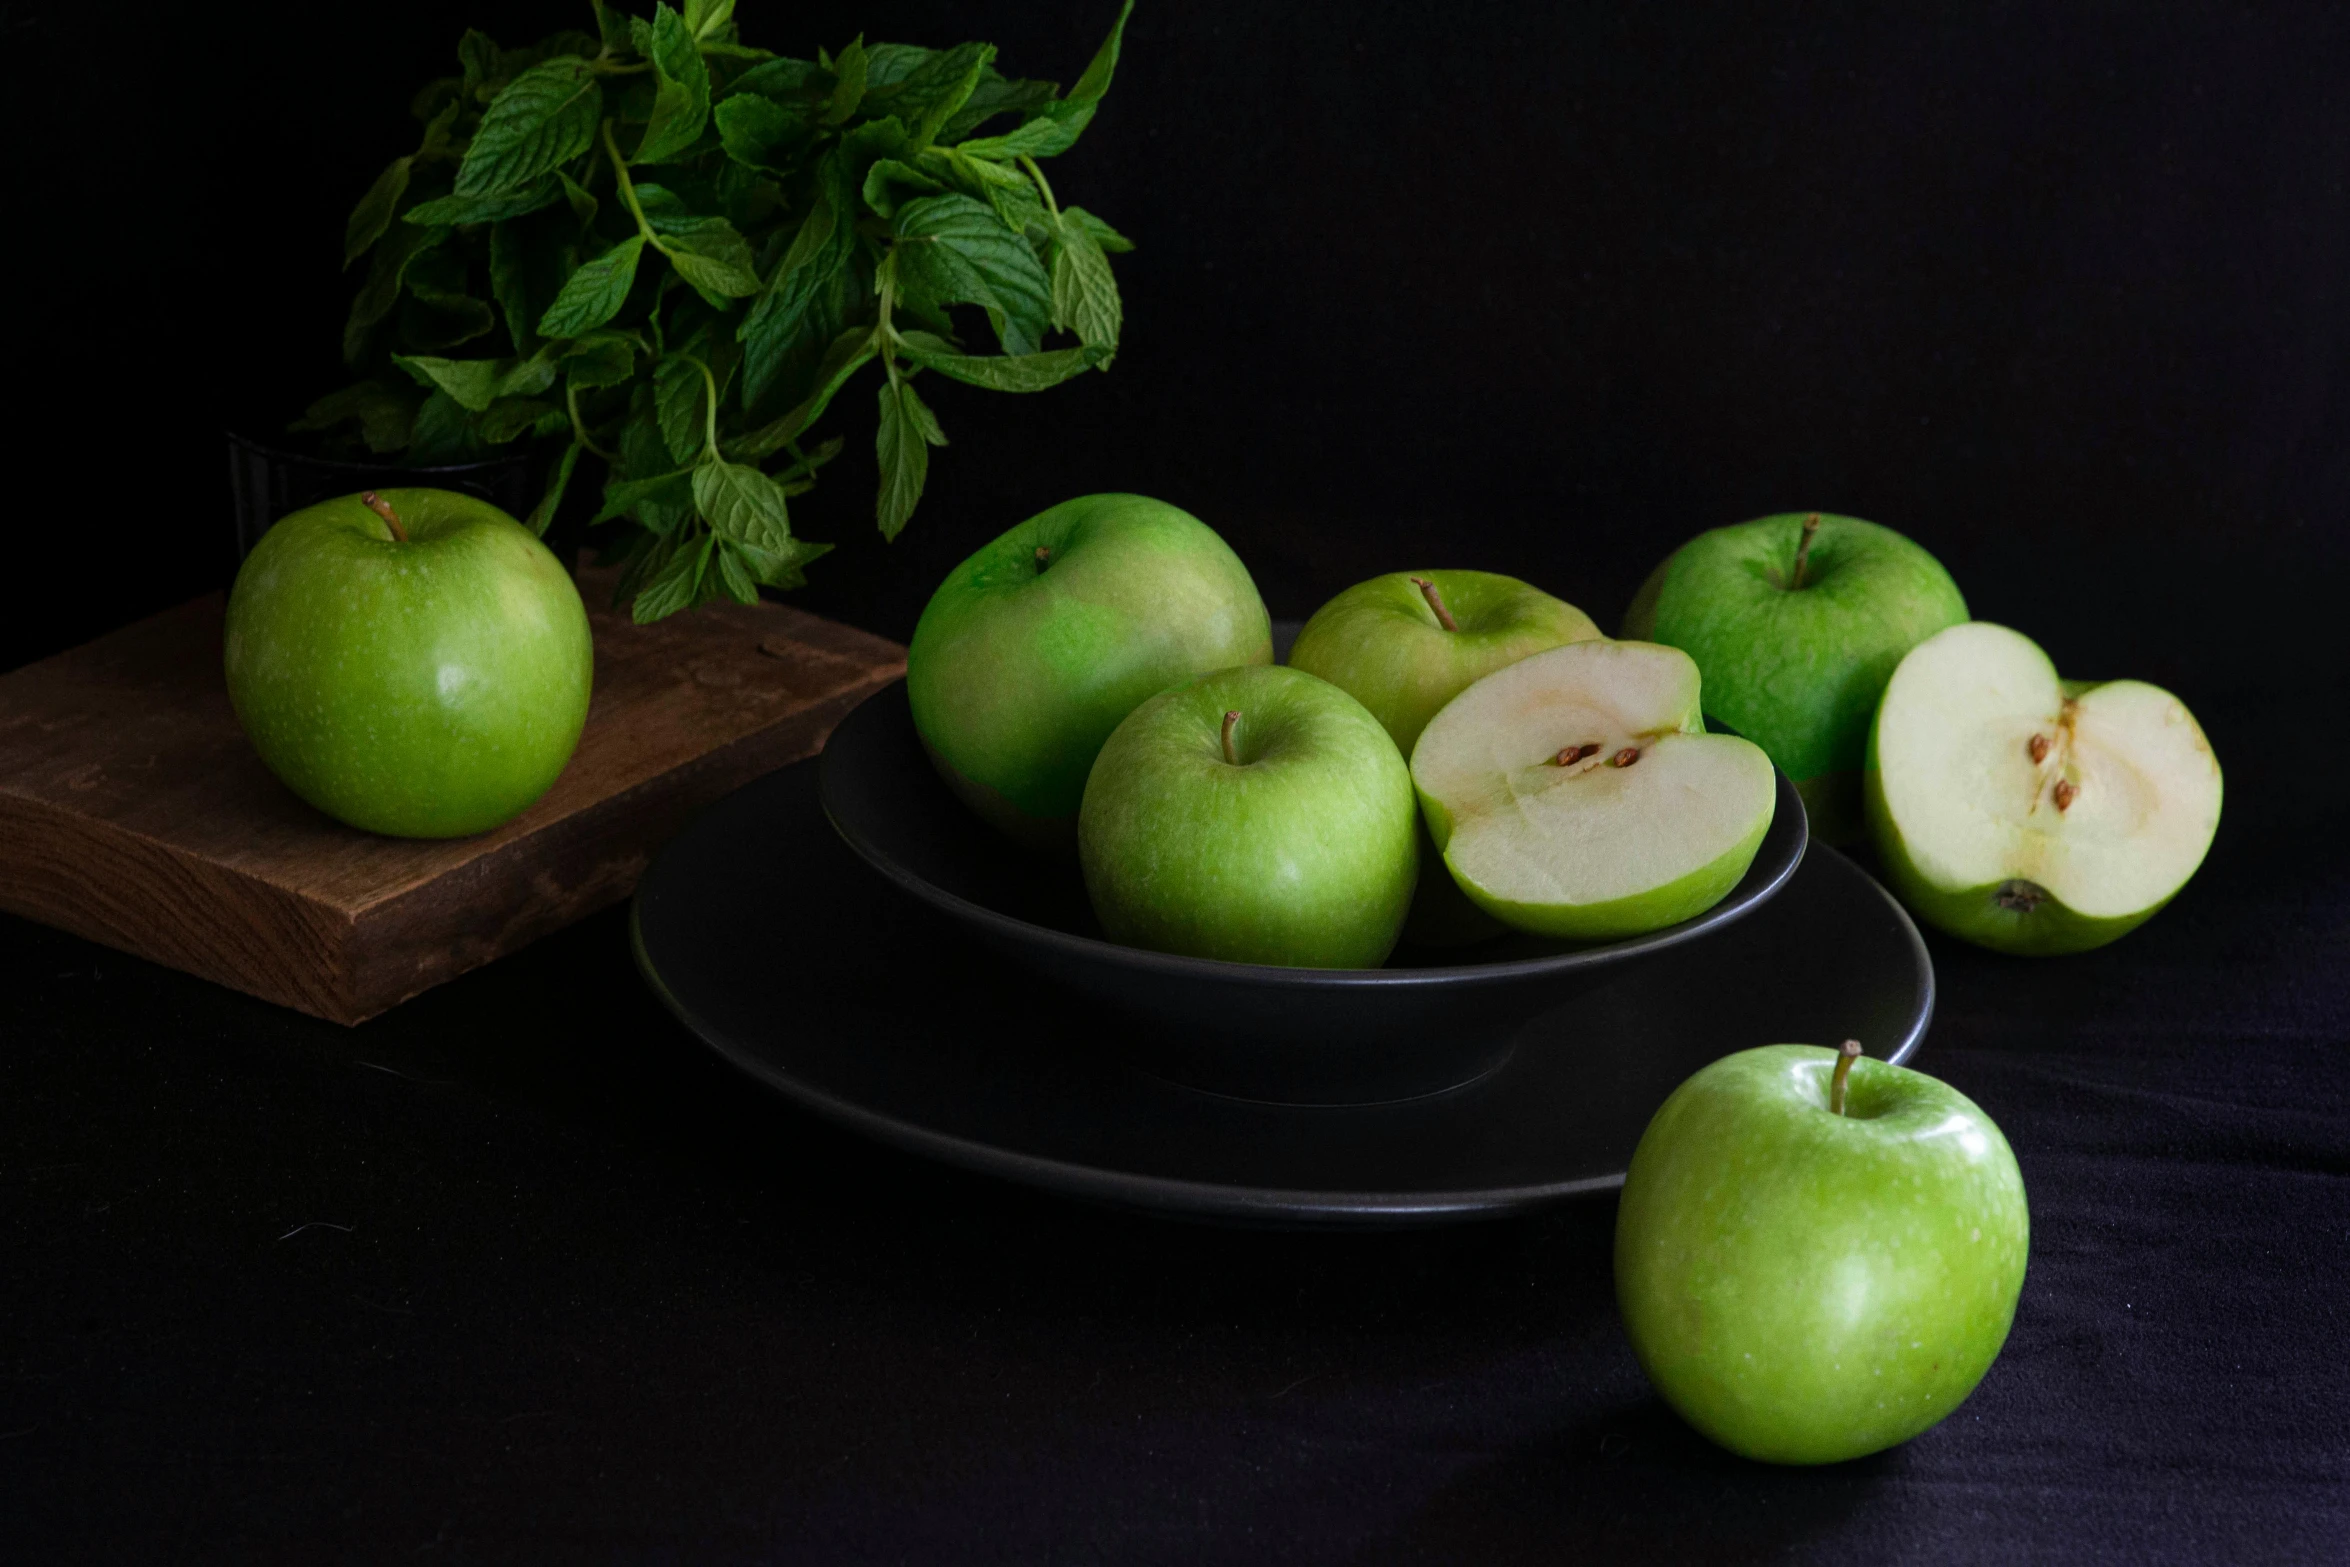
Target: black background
[(2057, 289)]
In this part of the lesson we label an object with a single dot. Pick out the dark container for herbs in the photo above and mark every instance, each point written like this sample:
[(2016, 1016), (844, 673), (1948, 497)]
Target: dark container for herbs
[(266, 482)]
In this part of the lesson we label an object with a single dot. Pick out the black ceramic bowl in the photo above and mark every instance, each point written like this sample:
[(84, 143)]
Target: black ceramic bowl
[(1432, 1020)]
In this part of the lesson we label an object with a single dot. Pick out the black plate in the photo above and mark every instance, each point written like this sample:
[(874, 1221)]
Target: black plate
[(783, 951), (1432, 1019)]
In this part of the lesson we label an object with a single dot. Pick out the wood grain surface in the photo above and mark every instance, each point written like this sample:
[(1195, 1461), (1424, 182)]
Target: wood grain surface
[(133, 811)]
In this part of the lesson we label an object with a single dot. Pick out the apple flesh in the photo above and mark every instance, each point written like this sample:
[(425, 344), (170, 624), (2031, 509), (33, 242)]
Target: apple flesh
[(2027, 813), (426, 686), (1576, 794), (1034, 649), (1258, 815), (1805, 1285), (1797, 622), (1405, 644)]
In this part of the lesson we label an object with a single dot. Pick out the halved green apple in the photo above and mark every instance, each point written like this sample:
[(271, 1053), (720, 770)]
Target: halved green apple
[(1576, 793), (2027, 813)]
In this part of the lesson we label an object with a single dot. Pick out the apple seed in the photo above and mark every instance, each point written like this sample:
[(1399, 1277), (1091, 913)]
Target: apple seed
[(2039, 749), (2065, 791), (1625, 758), (1569, 755)]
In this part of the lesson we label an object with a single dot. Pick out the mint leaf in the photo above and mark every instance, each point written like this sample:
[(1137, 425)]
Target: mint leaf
[(678, 397), (1085, 295), (488, 206), (1055, 127), (681, 105), (995, 95), (509, 417), (908, 431), (1000, 185), (846, 355), (374, 213), (543, 117), (1009, 372), (734, 573), (751, 128), (443, 433), (675, 586), (713, 257), (438, 321), (594, 292), (386, 414), (708, 18), (583, 205), (663, 490), (793, 83), (600, 359), (886, 65), (1013, 287), (818, 251), (1103, 235), (889, 172), (558, 480), (743, 504), (848, 74), (473, 383), (510, 281), (385, 273), (780, 568), (934, 91)]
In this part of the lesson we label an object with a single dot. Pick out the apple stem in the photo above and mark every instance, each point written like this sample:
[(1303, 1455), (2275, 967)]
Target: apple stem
[(383, 508), (1811, 531), (1844, 1059), (1231, 722), (1044, 557), (1436, 603)]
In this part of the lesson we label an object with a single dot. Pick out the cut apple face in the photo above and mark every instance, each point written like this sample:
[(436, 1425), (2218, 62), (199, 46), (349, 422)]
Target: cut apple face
[(2027, 813), (1575, 793)]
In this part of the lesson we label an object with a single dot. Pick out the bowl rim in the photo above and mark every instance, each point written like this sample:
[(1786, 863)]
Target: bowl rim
[(1735, 905)]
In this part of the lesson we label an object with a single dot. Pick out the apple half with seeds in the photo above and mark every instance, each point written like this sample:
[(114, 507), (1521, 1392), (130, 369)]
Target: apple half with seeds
[(2031, 814), (1576, 793)]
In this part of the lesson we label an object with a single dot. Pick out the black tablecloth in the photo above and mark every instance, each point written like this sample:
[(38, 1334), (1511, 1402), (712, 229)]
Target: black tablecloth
[(519, 1273)]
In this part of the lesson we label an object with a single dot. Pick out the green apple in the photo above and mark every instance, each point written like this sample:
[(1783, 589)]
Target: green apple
[(1405, 644), (2032, 814), (1811, 1269), (1032, 650), (1797, 622), (414, 663), (1257, 814), (1575, 793)]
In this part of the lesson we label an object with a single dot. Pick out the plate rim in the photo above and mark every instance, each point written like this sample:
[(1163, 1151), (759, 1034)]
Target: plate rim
[(1174, 1197)]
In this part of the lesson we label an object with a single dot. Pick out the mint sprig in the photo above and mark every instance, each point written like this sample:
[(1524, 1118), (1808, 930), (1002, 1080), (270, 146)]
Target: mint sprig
[(659, 248)]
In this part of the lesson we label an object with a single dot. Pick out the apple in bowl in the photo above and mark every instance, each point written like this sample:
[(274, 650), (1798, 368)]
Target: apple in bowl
[(1041, 642)]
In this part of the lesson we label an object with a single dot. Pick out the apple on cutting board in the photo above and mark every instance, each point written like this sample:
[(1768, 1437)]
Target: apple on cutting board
[(1035, 647), (1576, 793), (1405, 644), (412, 662), (1797, 621), (2031, 814), (1257, 815)]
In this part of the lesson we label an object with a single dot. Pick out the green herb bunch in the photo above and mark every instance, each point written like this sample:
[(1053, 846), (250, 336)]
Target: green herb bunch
[(671, 251)]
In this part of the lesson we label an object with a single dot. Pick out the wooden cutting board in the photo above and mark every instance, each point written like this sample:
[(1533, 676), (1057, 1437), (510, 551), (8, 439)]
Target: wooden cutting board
[(133, 812)]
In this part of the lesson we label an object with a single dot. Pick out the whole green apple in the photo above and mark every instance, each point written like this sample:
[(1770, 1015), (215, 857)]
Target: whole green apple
[(1810, 1269), (1575, 792), (1405, 644), (1032, 650), (1258, 815), (1797, 622), (2031, 814), (413, 662)]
